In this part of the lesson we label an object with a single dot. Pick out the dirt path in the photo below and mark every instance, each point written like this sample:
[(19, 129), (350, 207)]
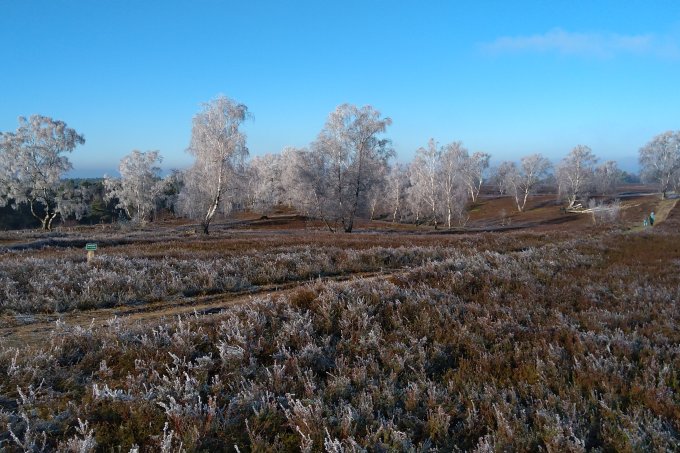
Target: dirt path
[(663, 208), (33, 329)]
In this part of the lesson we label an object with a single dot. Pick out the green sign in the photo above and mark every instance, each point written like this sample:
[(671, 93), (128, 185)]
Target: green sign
[(91, 247)]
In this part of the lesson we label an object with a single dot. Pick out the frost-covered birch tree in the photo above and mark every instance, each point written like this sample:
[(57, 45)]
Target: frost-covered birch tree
[(523, 181), (660, 160), (295, 192), (502, 175), (415, 195), (575, 174), (454, 163), (349, 153), (607, 177), (33, 162), (306, 175), (474, 173), (219, 147), (377, 192), (424, 178), (139, 186), (396, 190), (265, 181)]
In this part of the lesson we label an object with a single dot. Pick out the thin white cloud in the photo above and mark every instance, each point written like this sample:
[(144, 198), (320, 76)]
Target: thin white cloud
[(601, 45)]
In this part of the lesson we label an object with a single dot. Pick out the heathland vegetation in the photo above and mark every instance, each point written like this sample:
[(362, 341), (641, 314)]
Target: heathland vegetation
[(526, 340), (523, 307)]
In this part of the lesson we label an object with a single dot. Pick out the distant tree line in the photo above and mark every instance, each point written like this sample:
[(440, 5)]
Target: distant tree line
[(95, 208), (348, 172)]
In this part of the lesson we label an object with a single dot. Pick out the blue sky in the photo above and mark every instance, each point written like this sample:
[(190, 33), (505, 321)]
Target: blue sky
[(508, 78)]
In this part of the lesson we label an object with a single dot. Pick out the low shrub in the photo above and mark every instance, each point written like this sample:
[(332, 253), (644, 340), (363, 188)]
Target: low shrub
[(530, 347)]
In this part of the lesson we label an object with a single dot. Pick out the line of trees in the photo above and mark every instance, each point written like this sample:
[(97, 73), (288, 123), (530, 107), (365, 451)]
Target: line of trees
[(347, 172)]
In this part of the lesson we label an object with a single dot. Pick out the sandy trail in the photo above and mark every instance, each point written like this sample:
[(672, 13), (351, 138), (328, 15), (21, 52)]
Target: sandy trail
[(664, 208), (22, 330)]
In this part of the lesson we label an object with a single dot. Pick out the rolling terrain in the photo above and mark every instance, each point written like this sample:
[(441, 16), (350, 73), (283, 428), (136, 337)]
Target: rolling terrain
[(522, 331)]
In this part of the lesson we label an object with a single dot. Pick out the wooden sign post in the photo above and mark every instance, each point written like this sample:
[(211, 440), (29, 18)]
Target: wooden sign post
[(91, 247)]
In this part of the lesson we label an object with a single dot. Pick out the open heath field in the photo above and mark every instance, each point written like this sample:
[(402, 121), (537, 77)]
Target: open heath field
[(272, 335)]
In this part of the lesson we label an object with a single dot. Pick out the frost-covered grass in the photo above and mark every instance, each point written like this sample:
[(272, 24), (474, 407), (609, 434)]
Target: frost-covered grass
[(51, 274), (45, 285), (527, 344)]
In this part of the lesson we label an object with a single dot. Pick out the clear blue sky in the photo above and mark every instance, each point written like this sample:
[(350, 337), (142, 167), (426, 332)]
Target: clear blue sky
[(506, 77)]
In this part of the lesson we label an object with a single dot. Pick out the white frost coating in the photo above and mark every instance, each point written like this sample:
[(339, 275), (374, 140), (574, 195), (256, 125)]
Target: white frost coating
[(32, 165), (220, 149)]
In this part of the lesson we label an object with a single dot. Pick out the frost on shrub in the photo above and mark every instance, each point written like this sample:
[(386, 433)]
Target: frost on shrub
[(82, 442), (605, 213), (34, 285), (526, 348)]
